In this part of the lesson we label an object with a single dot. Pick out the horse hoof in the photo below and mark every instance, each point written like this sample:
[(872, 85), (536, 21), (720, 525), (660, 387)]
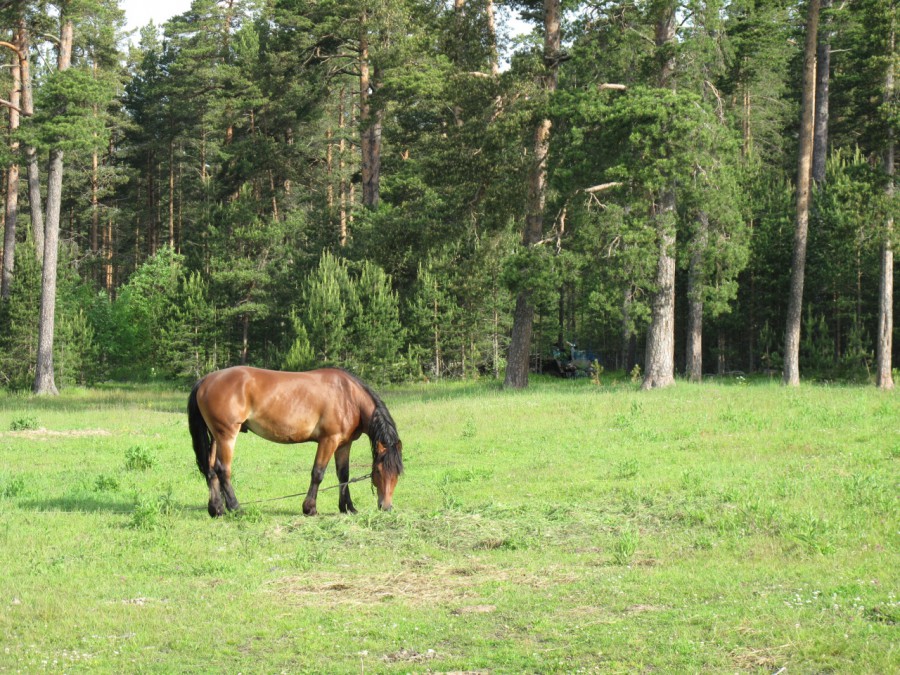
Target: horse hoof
[(215, 512), (348, 509), (309, 510)]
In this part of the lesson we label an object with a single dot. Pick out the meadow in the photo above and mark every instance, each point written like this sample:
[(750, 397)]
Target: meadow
[(723, 527)]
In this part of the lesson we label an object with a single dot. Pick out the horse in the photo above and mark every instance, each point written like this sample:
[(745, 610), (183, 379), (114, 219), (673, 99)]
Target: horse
[(329, 406)]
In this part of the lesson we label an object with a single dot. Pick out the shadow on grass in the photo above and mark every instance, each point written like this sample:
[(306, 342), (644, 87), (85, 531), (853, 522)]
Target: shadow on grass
[(77, 505), (153, 397)]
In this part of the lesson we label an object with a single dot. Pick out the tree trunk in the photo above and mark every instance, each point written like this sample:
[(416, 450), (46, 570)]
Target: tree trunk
[(172, 194), (884, 375), (44, 380), (523, 318), (12, 183), (95, 206), (492, 37), (370, 140), (659, 356), (695, 302), (627, 332), (31, 158), (791, 375), (245, 338), (342, 179), (108, 248), (823, 75)]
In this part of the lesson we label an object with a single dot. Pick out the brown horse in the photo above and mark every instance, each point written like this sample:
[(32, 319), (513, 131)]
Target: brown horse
[(329, 406)]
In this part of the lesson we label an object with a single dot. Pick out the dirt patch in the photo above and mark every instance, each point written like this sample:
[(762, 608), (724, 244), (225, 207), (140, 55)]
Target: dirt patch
[(475, 609), (420, 586), (409, 586), (409, 656), (770, 658), (44, 434)]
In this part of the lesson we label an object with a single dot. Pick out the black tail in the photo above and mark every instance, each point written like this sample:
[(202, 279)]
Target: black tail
[(199, 432)]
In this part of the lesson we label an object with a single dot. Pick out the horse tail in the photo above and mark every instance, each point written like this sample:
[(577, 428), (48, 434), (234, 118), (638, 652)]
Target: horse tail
[(199, 431)]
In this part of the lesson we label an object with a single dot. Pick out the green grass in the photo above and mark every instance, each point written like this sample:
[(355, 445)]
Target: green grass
[(568, 528)]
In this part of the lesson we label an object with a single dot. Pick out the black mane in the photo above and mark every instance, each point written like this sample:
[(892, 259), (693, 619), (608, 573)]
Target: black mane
[(382, 430)]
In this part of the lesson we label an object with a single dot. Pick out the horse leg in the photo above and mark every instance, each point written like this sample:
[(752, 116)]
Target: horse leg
[(326, 449), (214, 507), (223, 471), (342, 464), (219, 475)]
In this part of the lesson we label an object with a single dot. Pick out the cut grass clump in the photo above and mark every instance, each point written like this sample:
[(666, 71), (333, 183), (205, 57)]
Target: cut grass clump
[(139, 458), (625, 546), (24, 423)]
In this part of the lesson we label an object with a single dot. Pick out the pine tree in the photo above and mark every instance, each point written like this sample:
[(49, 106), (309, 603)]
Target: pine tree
[(804, 163)]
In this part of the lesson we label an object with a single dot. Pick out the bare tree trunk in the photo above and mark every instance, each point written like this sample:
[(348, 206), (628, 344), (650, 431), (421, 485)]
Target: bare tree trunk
[(523, 318), (370, 141), (31, 158), (791, 375), (627, 332), (492, 36), (172, 194), (659, 356), (329, 170), (95, 206), (245, 338), (44, 380), (884, 347), (108, 249), (695, 302), (12, 182), (823, 75), (342, 179)]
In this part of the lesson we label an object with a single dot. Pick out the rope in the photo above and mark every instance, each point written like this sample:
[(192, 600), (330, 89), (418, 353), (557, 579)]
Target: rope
[(301, 494)]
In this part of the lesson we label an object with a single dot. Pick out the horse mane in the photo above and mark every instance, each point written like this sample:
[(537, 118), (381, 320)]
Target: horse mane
[(382, 429)]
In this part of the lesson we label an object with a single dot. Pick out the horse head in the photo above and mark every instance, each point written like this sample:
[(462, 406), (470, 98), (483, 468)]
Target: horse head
[(387, 465)]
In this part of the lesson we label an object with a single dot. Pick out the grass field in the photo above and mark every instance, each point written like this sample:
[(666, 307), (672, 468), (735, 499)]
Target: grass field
[(726, 527)]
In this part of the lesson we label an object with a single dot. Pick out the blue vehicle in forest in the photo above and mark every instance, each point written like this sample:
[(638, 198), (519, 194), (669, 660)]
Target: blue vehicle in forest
[(574, 362)]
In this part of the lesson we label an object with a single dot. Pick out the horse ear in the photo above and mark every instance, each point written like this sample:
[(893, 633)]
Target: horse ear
[(400, 445), (379, 447)]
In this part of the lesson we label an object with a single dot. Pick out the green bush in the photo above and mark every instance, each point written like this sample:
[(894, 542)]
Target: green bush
[(139, 458)]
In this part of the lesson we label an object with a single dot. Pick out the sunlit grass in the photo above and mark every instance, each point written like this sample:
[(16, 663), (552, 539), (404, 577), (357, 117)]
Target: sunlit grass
[(723, 527)]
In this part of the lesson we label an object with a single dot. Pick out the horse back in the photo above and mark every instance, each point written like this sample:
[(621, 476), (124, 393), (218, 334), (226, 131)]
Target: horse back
[(283, 407)]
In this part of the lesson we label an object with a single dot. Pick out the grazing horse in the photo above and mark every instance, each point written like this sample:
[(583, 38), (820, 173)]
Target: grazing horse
[(329, 406)]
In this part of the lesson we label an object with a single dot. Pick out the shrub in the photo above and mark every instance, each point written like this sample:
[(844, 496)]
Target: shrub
[(139, 458)]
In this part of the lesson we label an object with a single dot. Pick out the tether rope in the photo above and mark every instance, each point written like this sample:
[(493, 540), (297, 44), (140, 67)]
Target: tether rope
[(300, 494)]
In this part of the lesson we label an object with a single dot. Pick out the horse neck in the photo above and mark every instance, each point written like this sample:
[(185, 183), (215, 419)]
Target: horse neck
[(366, 410)]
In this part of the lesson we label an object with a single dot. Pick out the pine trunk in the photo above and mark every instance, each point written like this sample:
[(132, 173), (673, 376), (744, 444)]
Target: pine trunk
[(95, 204), (44, 380), (884, 375), (823, 75), (31, 158), (492, 37), (659, 356), (342, 179), (370, 140), (791, 375), (172, 194), (627, 332), (12, 186), (694, 359), (523, 318)]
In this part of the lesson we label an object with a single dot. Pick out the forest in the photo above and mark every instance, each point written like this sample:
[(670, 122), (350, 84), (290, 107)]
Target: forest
[(417, 189)]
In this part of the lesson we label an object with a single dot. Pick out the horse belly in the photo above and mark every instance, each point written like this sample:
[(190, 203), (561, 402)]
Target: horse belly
[(281, 433)]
